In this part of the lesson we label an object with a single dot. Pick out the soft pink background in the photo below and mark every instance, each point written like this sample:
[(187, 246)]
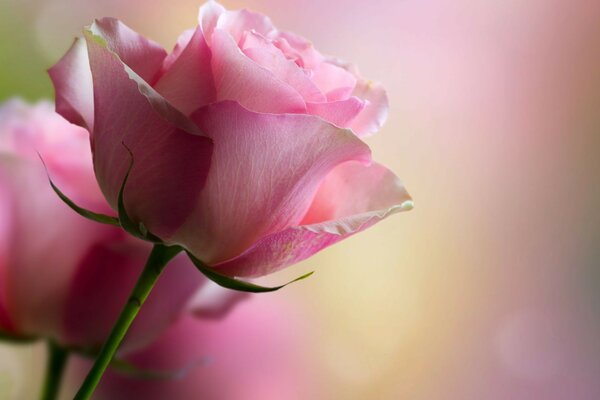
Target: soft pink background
[(489, 288)]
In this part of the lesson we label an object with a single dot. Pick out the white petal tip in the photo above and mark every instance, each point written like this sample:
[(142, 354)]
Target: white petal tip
[(407, 205)]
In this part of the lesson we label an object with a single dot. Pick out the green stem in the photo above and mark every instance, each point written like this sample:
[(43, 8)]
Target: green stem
[(57, 359), (157, 260)]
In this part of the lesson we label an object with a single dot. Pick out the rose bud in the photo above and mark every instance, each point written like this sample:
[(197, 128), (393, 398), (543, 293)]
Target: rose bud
[(246, 141)]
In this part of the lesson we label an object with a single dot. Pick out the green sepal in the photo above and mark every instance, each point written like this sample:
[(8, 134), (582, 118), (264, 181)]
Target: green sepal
[(126, 223), (236, 284), (103, 219)]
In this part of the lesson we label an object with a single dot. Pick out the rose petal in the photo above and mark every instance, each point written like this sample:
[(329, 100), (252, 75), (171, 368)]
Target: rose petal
[(95, 278), (130, 112), (239, 21), (375, 113), (214, 301), (297, 48), (265, 169), (30, 131), (182, 41), (372, 118), (6, 216), (6, 324), (187, 82), (354, 189), (95, 39), (72, 81), (265, 54), (143, 56), (208, 16), (335, 82), (352, 198), (239, 78), (339, 113), (332, 79)]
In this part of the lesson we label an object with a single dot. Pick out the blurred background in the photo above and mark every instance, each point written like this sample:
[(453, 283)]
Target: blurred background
[(490, 287)]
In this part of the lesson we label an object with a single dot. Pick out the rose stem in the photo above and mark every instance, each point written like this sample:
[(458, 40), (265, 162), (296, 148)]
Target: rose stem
[(158, 259), (57, 359)]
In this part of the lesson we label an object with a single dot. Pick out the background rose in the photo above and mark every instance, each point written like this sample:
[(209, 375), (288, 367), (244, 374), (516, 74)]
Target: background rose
[(250, 354), (62, 276), (231, 159)]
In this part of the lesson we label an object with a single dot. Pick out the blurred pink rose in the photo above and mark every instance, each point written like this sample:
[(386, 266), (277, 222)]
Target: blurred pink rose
[(61, 275), (240, 152), (254, 353)]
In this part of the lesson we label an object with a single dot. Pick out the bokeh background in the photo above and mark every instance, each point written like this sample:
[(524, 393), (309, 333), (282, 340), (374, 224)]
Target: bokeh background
[(490, 287)]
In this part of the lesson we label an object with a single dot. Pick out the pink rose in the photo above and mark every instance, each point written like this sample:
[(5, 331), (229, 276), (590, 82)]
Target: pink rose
[(63, 276), (254, 353), (241, 152)]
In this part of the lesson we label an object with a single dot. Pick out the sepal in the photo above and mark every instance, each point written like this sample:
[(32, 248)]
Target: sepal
[(97, 217), (138, 230), (236, 284)]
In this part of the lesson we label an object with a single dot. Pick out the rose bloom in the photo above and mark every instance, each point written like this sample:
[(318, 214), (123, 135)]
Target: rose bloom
[(63, 276), (253, 353), (246, 141)]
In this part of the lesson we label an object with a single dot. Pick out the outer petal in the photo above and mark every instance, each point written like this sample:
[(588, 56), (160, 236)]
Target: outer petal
[(187, 82), (352, 190), (340, 113), (265, 169), (352, 198), (72, 81), (143, 56), (239, 78), (96, 297), (163, 185), (375, 113)]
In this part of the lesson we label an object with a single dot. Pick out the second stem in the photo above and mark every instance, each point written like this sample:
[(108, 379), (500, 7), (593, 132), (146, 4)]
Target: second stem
[(158, 259), (57, 359)]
